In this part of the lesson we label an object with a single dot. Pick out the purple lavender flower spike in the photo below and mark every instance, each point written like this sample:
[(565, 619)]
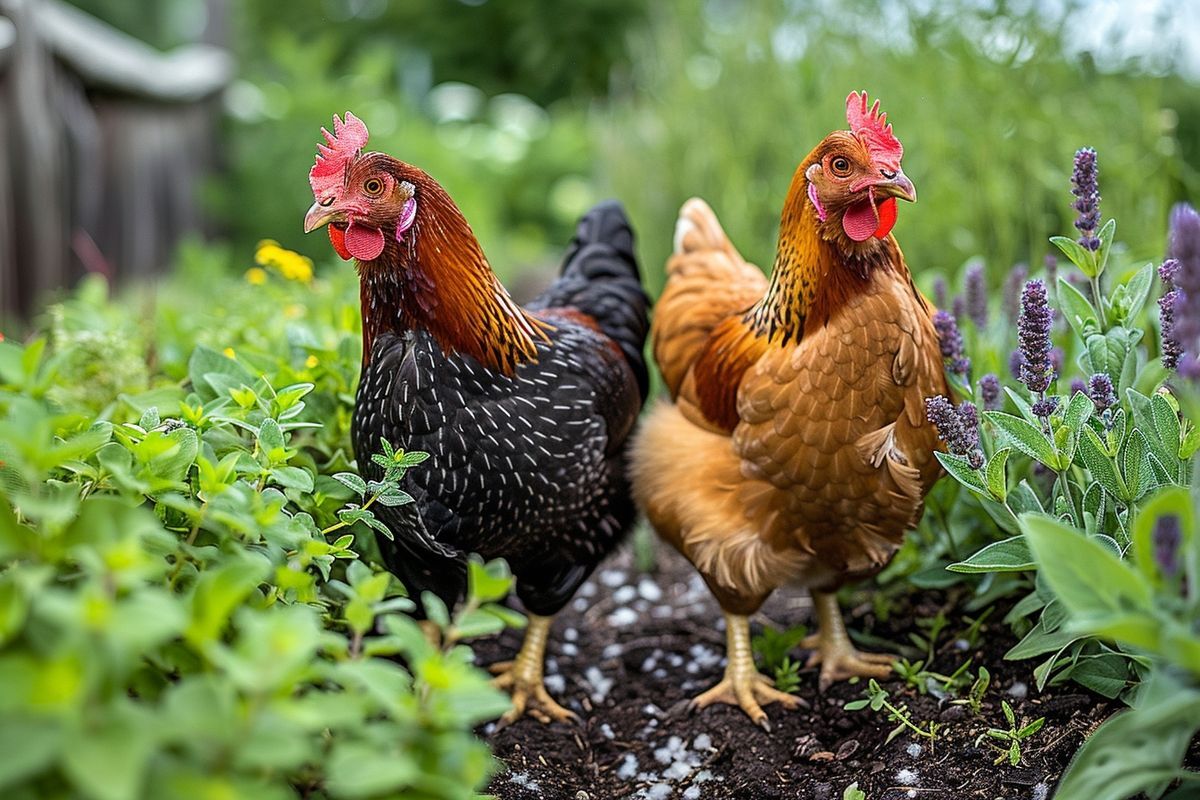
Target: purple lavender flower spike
[(976, 290), (957, 427), (1033, 335), (1184, 249), (1085, 187), (1167, 537), (1078, 386), (1016, 360), (939, 292), (1184, 246), (1172, 348), (1100, 389), (989, 391), (951, 343)]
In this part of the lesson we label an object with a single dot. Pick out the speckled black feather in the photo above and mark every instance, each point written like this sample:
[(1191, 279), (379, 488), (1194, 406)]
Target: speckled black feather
[(530, 468)]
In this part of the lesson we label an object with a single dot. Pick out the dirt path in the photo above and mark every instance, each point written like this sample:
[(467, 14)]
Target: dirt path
[(632, 648)]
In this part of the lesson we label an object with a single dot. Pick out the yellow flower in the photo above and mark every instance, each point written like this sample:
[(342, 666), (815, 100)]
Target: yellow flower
[(296, 267), (256, 276), (290, 264), (311, 362), (294, 310), (229, 352)]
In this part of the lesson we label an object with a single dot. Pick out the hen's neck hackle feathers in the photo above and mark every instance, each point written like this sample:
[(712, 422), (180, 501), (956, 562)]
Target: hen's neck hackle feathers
[(437, 279)]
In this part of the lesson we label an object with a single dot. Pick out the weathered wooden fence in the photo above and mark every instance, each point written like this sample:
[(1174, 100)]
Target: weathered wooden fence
[(104, 143)]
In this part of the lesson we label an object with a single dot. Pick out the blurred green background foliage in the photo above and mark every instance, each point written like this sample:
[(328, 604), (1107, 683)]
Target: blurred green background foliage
[(528, 112)]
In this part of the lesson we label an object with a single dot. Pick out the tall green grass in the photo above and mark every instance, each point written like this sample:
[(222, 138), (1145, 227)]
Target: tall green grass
[(725, 101)]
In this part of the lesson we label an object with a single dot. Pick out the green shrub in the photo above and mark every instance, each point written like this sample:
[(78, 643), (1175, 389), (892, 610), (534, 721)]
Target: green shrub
[(183, 607)]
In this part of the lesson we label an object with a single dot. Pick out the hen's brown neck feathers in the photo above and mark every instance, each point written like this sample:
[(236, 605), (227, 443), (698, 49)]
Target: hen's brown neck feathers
[(437, 279), (813, 276)]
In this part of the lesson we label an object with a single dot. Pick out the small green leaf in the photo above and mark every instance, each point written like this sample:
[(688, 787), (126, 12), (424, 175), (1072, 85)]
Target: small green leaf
[(996, 479), (292, 478), (1100, 464), (1080, 256), (488, 583), (1028, 439), (1078, 310), (270, 439), (352, 482), (961, 471), (1006, 555)]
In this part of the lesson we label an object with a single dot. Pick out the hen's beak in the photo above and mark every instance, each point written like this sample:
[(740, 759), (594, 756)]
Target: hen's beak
[(320, 215), (897, 185)]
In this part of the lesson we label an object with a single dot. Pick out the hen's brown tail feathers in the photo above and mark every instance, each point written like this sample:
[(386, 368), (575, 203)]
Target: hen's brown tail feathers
[(707, 282)]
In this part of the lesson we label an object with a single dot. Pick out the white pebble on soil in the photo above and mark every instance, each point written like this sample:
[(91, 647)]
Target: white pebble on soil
[(914, 750), (691, 793), (611, 651), (703, 742), (1041, 791), (555, 684), (907, 777), (1019, 690), (521, 779), (607, 731), (628, 768), (587, 590), (622, 617), (649, 590), (612, 578), (569, 649), (601, 685), (570, 634), (657, 791), (624, 595), (579, 604)]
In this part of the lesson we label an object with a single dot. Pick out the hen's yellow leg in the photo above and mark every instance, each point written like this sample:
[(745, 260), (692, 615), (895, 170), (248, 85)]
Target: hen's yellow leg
[(522, 677), (833, 650), (743, 685)]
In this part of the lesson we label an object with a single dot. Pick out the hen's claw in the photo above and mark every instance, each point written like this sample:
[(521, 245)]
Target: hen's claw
[(743, 685), (832, 649), (522, 678)]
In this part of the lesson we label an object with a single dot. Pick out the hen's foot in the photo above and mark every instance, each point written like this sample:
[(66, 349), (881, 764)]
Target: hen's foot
[(833, 651), (743, 685), (522, 678)]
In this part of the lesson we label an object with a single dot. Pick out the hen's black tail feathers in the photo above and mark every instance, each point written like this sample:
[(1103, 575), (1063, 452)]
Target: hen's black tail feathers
[(600, 277)]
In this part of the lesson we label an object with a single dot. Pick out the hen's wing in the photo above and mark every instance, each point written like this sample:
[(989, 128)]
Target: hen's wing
[(709, 285)]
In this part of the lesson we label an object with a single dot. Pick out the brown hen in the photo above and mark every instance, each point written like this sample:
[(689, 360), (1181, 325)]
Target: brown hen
[(797, 449)]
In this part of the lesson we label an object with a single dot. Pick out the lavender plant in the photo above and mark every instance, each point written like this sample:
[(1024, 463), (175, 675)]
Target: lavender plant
[(1110, 533)]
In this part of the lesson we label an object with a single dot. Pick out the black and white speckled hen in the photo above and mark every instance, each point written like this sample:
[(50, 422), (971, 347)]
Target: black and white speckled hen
[(525, 411)]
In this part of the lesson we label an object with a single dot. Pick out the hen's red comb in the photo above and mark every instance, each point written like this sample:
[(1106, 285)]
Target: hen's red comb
[(871, 127), (341, 147)]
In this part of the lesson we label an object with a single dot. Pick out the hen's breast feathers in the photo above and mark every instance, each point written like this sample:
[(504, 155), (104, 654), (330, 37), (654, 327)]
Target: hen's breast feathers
[(517, 462)]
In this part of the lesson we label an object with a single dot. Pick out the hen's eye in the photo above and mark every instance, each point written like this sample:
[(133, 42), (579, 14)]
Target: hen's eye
[(840, 165), (373, 186)]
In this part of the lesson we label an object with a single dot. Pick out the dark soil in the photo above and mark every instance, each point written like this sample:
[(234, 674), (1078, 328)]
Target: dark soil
[(632, 648)]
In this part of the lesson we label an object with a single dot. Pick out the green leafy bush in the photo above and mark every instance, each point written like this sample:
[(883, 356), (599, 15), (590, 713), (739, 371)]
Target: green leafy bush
[(1092, 490), (184, 611)]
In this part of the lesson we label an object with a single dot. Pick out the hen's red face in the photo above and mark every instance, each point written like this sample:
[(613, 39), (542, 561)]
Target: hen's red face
[(847, 186), (364, 198), (854, 177)]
